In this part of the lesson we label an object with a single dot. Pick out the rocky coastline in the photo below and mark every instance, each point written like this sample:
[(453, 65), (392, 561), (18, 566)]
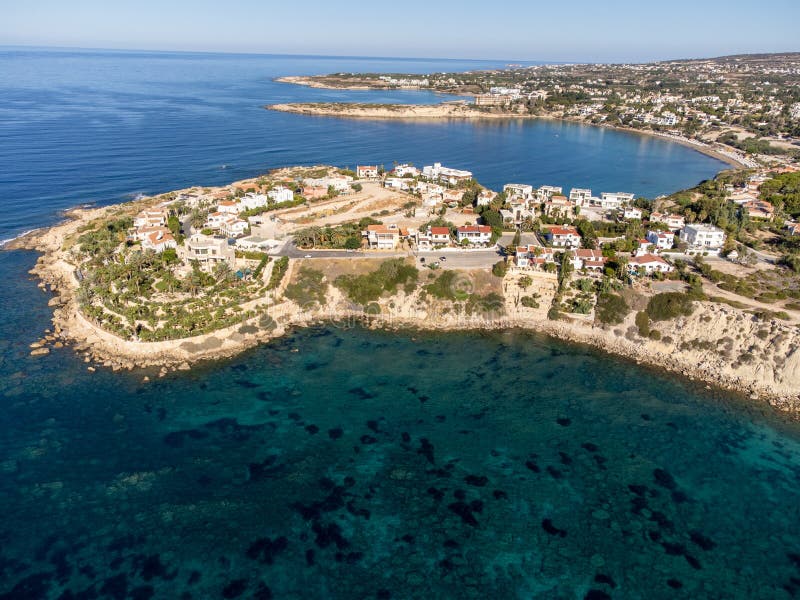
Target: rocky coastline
[(689, 346)]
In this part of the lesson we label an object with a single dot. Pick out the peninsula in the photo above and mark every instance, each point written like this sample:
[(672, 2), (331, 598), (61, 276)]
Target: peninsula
[(744, 108), (703, 282)]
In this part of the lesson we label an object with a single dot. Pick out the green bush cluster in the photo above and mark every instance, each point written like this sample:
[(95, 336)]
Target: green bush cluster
[(363, 289), (669, 305)]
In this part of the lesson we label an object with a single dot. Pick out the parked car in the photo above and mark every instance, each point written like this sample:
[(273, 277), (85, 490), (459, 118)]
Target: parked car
[(422, 259), (442, 258)]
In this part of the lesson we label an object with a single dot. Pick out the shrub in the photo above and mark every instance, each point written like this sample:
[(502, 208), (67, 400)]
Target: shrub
[(529, 302), (309, 289), (611, 309), (367, 288), (500, 269), (643, 323), (655, 334), (669, 305), (278, 271)]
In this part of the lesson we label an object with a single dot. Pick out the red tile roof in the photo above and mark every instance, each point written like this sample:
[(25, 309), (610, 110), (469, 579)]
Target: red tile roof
[(475, 229), (563, 231)]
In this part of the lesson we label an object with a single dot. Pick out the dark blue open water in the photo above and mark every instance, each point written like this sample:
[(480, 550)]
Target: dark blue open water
[(346, 463)]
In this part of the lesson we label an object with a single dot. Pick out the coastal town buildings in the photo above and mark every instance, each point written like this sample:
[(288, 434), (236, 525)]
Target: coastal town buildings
[(280, 194), (563, 237), (648, 264), (406, 170), (382, 237), (611, 200), (157, 239), (674, 222), (437, 172), (209, 250), (532, 256), (580, 196), (703, 237), (663, 240), (367, 172), (588, 259), (474, 234)]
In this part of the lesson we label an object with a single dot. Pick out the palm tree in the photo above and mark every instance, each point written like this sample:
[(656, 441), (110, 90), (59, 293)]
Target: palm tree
[(222, 271)]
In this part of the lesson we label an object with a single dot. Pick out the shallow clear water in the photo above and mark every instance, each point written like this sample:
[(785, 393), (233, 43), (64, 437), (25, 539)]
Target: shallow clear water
[(347, 463)]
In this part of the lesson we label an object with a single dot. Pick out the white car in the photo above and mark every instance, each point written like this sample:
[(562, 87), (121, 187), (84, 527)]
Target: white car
[(307, 256)]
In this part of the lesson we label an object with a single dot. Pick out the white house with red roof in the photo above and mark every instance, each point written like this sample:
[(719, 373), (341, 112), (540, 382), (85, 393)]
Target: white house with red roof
[(589, 259), (151, 218), (663, 240), (233, 227), (381, 237), (642, 247), (631, 212), (533, 256), (439, 235), (475, 234), (433, 236), (158, 239), (229, 207), (649, 264), (367, 171), (563, 237), (670, 220)]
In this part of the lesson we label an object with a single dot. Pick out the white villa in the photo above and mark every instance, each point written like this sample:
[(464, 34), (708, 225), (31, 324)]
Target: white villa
[(208, 250), (280, 194), (518, 190), (476, 234), (546, 192), (672, 221), (251, 201), (151, 218), (648, 263), (705, 237), (158, 239), (381, 237), (406, 170), (591, 260), (580, 196), (615, 199), (398, 183), (563, 237), (229, 207), (437, 172), (663, 240), (631, 212), (533, 256), (367, 171), (233, 227), (485, 197)]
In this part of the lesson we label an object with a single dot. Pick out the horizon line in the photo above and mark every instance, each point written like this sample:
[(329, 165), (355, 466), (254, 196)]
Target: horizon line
[(402, 58)]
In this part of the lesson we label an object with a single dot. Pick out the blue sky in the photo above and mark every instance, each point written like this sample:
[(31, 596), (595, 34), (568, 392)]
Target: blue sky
[(578, 30)]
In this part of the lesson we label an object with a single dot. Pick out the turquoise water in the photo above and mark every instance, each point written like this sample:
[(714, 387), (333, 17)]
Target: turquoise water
[(347, 463)]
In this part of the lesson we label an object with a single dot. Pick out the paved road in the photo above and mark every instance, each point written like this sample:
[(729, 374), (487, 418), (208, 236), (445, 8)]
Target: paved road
[(454, 259)]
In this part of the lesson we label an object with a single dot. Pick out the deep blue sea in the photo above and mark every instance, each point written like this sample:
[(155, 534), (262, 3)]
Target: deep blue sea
[(347, 463)]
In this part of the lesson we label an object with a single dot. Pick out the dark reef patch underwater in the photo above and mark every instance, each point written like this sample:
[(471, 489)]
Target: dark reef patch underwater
[(532, 469)]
